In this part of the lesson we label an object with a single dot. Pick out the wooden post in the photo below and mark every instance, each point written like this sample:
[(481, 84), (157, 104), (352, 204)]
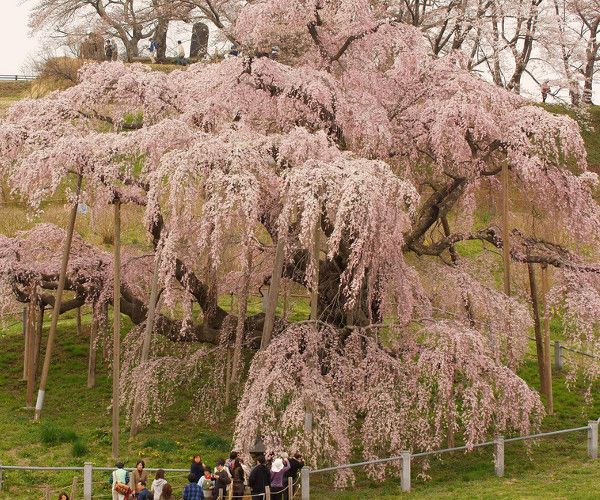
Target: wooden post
[(405, 478), (592, 444), (305, 482), (499, 456), (57, 304), (92, 352), (558, 357), (147, 338), (273, 293), (286, 299), (227, 377), (47, 493), (267, 493), (116, 364), (290, 488), (546, 336), (220, 494), (31, 366), (505, 230), (88, 470), (241, 319), (73, 488), (38, 338), (26, 341), (79, 333), (314, 293), (536, 324)]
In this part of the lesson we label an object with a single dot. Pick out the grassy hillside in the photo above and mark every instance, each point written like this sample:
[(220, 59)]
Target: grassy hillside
[(76, 428)]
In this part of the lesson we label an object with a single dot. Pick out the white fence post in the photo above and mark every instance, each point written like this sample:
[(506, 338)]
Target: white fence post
[(405, 480), (593, 439), (558, 356), (499, 456), (87, 480), (1, 476), (305, 483)]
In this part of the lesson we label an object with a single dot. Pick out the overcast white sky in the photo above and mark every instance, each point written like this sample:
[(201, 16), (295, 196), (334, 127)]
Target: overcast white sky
[(16, 45)]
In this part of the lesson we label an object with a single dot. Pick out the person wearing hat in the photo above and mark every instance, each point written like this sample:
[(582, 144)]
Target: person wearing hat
[(119, 480), (278, 469)]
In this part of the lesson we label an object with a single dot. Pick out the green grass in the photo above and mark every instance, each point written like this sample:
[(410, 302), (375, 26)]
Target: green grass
[(76, 427)]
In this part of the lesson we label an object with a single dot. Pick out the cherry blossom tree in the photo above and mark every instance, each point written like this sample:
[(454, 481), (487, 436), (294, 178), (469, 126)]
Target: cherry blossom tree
[(362, 162)]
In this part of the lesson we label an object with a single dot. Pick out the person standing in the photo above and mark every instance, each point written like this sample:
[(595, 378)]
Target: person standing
[(278, 470), (545, 90), (259, 478), (207, 484), (222, 479), (153, 49), (119, 480), (180, 59), (197, 468), (115, 49), (192, 491), (138, 475), (237, 473), (158, 484), (108, 50)]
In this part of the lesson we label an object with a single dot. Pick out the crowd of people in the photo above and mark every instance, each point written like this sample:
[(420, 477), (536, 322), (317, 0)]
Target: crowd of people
[(232, 477)]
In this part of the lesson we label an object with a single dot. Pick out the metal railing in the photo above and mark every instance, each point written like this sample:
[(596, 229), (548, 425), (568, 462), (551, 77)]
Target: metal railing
[(17, 78), (406, 456), (559, 357)]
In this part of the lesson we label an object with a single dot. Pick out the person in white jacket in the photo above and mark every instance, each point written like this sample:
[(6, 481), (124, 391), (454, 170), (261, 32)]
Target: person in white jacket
[(158, 483)]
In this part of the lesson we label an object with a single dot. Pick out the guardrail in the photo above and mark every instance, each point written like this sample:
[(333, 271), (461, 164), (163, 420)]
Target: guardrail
[(406, 456), (17, 78)]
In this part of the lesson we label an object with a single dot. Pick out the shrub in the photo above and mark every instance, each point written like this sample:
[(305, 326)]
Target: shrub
[(215, 442), (79, 448), (161, 444), (51, 434)]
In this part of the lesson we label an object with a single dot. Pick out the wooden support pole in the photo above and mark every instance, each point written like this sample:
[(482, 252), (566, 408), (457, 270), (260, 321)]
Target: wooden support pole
[(92, 352), (147, 338), (536, 324), (546, 336), (31, 367), (314, 293), (79, 332), (273, 293), (73, 488), (26, 341), (116, 364), (227, 375), (241, 319), (505, 230), (38, 338), (57, 304)]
